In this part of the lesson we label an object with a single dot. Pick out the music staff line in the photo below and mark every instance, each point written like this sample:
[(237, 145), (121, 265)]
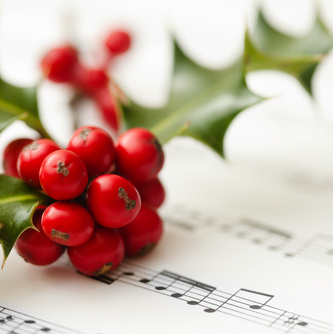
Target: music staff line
[(244, 304), (318, 248), (13, 322)]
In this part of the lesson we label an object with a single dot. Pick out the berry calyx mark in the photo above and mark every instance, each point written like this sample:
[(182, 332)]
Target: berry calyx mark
[(59, 235), (62, 169), (84, 133), (130, 203), (32, 146), (106, 268)]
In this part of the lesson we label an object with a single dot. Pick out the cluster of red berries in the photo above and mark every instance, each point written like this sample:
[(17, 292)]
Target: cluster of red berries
[(62, 65), (105, 197)]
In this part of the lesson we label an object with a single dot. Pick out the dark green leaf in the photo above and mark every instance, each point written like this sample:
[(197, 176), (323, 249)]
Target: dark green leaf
[(267, 48), (202, 103), (19, 103), (18, 202)]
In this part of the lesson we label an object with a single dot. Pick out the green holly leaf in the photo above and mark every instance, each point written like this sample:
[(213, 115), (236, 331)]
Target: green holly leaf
[(19, 103), (18, 202), (266, 48), (202, 103)]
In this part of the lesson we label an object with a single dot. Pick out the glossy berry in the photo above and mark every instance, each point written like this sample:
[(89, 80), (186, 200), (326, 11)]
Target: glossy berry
[(152, 192), (90, 80), (143, 233), (35, 247), (31, 157), (67, 223), (112, 200), (11, 153), (63, 175), (108, 107), (118, 42), (95, 147), (139, 155), (59, 63), (103, 252)]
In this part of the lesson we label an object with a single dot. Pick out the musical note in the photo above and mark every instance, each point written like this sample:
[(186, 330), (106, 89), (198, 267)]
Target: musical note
[(318, 249), (13, 322), (245, 304), (267, 235), (193, 222), (4, 320), (293, 321)]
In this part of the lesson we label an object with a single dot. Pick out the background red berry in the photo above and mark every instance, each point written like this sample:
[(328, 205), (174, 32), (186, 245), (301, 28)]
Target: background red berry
[(67, 223), (117, 42), (103, 252), (59, 63), (113, 200), (152, 192), (109, 108), (95, 147), (143, 233), (139, 155), (11, 153), (35, 247), (90, 80), (63, 175), (31, 157)]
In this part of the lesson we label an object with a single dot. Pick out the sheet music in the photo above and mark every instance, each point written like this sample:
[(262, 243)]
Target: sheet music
[(248, 242), (259, 269)]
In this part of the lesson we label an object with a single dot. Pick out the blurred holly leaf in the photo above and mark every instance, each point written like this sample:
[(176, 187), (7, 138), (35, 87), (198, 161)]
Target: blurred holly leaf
[(18, 202), (19, 103), (202, 103), (267, 48)]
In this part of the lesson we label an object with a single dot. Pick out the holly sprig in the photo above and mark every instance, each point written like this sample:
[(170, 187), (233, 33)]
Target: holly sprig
[(202, 109)]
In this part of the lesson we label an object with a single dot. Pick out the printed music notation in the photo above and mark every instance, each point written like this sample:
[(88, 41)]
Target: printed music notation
[(13, 322), (318, 248), (244, 304)]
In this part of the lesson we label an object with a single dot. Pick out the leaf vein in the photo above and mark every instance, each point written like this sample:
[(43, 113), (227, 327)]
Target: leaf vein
[(18, 198)]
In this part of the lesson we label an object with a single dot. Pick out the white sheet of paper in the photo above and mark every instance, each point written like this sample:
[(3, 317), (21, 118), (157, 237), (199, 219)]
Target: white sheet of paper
[(248, 242), (256, 250)]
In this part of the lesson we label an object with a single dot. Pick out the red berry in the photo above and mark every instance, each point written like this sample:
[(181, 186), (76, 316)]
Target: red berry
[(112, 200), (103, 252), (108, 107), (67, 223), (95, 147), (35, 247), (63, 175), (139, 155), (152, 192), (117, 42), (31, 158), (90, 80), (142, 234), (11, 153), (59, 63)]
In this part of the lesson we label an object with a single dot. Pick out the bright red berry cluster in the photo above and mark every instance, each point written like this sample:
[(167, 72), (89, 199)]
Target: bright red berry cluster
[(62, 65), (105, 197)]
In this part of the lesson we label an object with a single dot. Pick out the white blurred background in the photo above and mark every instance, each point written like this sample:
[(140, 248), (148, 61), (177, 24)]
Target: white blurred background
[(288, 131)]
